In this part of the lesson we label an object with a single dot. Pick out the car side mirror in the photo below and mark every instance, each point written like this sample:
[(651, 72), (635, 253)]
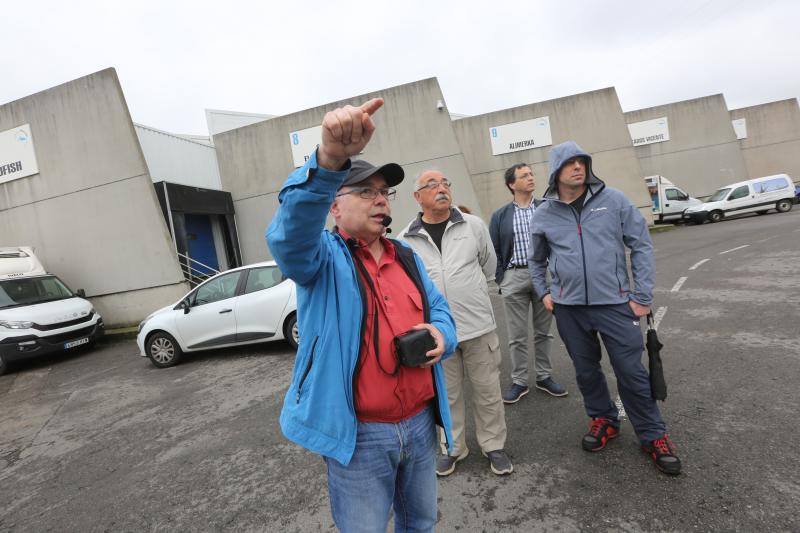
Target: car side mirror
[(186, 309), (81, 293)]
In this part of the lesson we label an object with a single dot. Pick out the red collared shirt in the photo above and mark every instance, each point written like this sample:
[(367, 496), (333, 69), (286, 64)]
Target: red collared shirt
[(379, 395)]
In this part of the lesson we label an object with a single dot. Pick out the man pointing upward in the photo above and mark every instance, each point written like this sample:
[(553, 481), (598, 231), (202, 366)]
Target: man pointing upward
[(350, 400)]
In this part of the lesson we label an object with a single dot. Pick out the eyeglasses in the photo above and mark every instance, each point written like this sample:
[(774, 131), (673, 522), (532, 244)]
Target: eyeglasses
[(368, 193), (431, 185)]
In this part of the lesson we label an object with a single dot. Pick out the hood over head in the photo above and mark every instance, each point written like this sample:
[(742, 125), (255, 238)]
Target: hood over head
[(560, 154)]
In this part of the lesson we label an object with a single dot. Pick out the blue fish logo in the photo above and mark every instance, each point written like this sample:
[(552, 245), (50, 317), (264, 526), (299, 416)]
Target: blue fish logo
[(494, 132), (295, 139)]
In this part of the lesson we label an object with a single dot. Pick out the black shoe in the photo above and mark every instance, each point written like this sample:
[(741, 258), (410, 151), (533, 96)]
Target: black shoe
[(601, 430), (499, 462), (662, 452), (515, 392), (551, 387), (446, 464)]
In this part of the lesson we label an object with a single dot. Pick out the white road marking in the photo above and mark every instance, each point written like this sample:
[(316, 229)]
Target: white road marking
[(734, 249), (694, 266), (678, 284), (620, 407), (659, 314)]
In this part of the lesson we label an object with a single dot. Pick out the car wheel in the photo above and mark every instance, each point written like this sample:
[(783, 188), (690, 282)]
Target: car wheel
[(163, 350), (3, 367), (715, 216), (290, 331), (783, 206), (762, 212)]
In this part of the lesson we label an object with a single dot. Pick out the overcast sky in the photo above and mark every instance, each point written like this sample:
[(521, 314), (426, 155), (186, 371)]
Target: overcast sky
[(175, 59)]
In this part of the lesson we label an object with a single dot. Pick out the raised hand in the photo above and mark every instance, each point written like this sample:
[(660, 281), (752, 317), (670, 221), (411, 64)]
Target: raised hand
[(345, 132)]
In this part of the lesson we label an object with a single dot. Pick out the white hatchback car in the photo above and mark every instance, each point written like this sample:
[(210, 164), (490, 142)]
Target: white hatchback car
[(245, 305)]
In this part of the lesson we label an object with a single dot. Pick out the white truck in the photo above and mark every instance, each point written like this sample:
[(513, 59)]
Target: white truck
[(669, 202), (39, 314)]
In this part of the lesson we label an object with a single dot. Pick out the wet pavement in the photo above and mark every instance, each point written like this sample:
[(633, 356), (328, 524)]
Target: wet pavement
[(101, 440)]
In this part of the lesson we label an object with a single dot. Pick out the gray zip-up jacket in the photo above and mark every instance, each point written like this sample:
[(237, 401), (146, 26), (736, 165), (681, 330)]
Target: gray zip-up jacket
[(460, 270), (585, 252)]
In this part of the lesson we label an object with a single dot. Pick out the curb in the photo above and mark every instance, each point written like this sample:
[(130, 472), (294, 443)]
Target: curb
[(661, 228), (119, 334)]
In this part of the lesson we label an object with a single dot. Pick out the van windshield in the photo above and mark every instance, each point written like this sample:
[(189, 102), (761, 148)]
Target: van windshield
[(28, 291), (719, 195)]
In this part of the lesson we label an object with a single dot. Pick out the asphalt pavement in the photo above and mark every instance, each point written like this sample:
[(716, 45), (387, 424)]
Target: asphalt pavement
[(102, 441)]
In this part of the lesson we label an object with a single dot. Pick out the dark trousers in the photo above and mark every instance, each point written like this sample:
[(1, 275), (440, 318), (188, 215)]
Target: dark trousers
[(579, 327)]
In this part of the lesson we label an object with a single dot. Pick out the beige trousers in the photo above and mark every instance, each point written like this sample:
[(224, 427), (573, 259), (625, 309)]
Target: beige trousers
[(479, 361)]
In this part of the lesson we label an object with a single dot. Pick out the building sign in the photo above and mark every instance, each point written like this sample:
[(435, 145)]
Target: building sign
[(17, 158), (303, 143), (740, 127), (649, 131), (518, 136)]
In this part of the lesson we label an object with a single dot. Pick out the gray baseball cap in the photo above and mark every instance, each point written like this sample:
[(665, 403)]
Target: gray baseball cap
[(361, 170)]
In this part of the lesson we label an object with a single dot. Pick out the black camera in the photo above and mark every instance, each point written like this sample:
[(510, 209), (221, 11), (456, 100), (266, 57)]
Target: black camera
[(412, 346)]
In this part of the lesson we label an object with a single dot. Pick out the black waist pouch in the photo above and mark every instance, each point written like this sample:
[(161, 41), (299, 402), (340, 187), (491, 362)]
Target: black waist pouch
[(412, 346)]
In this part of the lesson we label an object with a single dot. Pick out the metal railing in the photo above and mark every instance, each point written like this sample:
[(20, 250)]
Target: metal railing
[(191, 273)]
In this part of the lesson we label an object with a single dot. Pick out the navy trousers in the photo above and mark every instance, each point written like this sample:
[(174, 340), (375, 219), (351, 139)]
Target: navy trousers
[(579, 327)]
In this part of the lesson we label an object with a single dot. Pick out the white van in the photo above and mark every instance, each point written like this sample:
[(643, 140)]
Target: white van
[(39, 314), (752, 196), (668, 201)]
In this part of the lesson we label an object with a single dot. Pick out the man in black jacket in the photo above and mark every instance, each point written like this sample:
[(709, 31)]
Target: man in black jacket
[(510, 233)]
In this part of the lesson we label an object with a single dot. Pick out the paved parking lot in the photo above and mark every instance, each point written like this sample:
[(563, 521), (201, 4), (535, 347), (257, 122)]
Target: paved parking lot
[(103, 441)]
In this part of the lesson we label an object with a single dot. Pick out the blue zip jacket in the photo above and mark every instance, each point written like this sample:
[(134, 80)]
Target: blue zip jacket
[(318, 411), (585, 252)]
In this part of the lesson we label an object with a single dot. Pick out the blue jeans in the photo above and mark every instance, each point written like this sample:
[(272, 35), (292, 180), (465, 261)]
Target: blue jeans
[(393, 464)]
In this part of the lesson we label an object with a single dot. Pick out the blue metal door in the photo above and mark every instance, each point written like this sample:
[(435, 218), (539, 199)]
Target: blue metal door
[(201, 242)]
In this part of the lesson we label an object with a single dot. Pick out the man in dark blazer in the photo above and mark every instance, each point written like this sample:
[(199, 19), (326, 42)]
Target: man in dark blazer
[(510, 233)]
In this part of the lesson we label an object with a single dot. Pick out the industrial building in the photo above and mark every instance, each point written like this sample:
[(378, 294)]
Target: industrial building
[(769, 138), (493, 142), (692, 143), (413, 129), (134, 215)]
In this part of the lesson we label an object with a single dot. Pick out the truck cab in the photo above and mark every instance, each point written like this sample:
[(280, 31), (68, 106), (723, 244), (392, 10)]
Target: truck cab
[(669, 201), (39, 314)]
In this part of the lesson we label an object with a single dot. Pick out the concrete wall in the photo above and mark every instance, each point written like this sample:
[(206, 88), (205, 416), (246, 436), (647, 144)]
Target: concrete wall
[(772, 145), (255, 160), (91, 211), (702, 154), (594, 120)]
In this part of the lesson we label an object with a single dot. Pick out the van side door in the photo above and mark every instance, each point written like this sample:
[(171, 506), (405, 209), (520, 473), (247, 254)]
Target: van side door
[(675, 201), (740, 200)]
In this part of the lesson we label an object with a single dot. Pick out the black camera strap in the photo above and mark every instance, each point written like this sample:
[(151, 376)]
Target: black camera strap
[(353, 245)]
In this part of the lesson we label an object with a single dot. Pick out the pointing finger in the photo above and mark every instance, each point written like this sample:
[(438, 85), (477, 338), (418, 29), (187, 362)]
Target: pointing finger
[(372, 106)]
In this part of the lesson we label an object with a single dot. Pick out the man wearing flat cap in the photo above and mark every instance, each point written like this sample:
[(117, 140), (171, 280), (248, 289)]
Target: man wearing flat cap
[(350, 399)]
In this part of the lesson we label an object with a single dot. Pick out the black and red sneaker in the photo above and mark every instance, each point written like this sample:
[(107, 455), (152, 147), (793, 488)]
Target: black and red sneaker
[(662, 452), (601, 430)]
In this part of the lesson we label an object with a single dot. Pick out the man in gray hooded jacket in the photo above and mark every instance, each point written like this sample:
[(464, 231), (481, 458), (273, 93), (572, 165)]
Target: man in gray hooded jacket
[(580, 234)]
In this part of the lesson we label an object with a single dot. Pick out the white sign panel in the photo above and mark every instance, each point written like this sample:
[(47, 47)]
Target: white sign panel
[(17, 157), (740, 127), (534, 133), (303, 143), (649, 131)]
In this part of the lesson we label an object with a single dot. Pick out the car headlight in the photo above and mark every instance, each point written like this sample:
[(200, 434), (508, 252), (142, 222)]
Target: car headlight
[(143, 322), (16, 324)]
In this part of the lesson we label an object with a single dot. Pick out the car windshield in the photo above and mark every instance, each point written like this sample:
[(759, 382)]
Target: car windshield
[(719, 195), (28, 291)]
